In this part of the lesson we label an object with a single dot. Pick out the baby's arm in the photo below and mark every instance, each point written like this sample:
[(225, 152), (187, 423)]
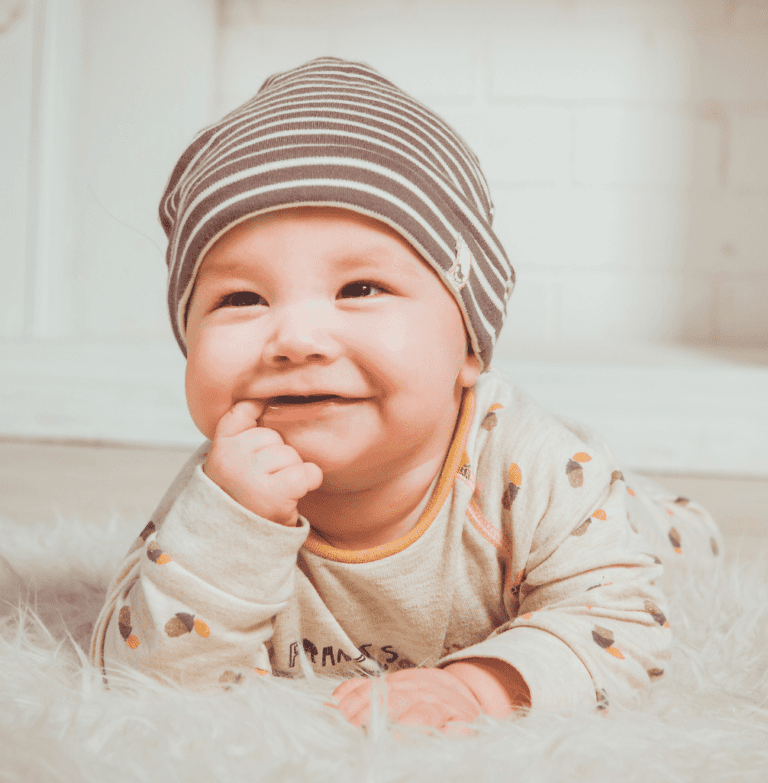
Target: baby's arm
[(587, 618), (194, 598)]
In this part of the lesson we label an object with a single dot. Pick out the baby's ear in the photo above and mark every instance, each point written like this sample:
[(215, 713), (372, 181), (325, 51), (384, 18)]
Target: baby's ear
[(470, 371)]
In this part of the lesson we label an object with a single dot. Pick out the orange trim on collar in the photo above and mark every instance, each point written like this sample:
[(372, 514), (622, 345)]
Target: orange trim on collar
[(317, 546)]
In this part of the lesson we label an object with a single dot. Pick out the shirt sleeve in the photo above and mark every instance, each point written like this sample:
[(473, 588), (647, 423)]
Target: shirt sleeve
[(194, 598), (588, 621)]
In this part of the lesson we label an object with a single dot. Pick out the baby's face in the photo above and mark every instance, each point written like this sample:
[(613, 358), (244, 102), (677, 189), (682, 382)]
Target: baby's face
[(324, 301)]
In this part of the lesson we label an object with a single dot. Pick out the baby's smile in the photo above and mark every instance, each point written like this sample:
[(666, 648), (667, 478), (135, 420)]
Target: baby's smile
[(301, 408)]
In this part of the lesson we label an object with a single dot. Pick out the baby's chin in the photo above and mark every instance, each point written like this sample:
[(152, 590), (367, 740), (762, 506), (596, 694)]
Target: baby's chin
[(345, 467)]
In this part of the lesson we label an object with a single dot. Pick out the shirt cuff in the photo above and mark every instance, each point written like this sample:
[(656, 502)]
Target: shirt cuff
[(212, 536), (555, 676)]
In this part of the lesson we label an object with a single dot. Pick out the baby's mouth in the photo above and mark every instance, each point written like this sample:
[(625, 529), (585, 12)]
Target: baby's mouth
[(290, 399), (290, 407)]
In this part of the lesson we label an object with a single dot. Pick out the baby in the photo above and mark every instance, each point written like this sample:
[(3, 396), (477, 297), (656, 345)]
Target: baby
[(373, 497)]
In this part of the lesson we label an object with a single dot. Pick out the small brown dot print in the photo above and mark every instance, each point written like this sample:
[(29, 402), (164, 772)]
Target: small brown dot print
[(175, 627), (582, 528), (124, 622), (514, 588), (656, 613), (230, 678), (156, 555), (674, 537), (656, 559), (148, 530), (508, 498), (715, 547), (602, 700), (575, 473), (599, 514), (405, 663), (682, 501), (180, 624), (617, 475), (655, 674), (489, 422), (515, 481), (490, 419), (604, 638)]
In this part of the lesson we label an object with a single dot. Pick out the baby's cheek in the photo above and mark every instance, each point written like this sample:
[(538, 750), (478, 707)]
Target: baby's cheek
[(205, 401)]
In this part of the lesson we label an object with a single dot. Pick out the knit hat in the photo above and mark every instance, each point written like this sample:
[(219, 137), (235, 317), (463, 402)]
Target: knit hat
[(336, 133)]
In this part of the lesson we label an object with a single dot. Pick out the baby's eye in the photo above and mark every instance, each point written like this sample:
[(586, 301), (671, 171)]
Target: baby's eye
[(241, 299), (360, 288)]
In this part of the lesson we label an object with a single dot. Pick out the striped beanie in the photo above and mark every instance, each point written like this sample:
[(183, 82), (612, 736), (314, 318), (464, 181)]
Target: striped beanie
[(336, 133)]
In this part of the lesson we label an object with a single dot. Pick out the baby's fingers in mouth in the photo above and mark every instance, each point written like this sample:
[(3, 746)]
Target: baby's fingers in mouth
[(243, 415)]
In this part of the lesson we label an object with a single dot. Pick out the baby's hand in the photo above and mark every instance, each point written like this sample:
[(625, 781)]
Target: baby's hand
[(257, 468), (415, 697)]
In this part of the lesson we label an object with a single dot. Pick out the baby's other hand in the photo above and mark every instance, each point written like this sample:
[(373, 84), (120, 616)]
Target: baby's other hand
[(415, 697), (255, 467)]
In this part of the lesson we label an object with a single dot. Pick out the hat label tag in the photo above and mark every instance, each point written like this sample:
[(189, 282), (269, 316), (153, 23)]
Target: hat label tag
[(458, 274)]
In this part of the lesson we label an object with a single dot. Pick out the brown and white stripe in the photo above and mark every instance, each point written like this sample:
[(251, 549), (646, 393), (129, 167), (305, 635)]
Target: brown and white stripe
[(336, 133)]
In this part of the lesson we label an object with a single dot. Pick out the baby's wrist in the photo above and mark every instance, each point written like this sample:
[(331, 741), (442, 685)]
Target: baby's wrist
[(498, 687)]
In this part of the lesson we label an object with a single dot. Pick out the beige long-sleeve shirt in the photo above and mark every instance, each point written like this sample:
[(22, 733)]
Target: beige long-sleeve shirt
[(530, 548)]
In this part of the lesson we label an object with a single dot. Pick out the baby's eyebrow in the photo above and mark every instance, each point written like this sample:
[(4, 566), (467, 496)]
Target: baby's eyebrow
[(374, 259), (222, 269)]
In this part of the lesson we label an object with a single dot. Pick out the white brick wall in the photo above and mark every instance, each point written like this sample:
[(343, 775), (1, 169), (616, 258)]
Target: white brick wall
[(625, 141)]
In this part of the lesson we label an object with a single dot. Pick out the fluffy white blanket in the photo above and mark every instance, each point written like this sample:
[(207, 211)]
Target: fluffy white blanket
[(705, 721)]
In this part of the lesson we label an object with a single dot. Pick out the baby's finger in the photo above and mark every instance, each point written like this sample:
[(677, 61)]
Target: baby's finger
[(356, 703), (276, 457), (348, 686), (296, 480), (425, 714), (242, 416), (453, 729)]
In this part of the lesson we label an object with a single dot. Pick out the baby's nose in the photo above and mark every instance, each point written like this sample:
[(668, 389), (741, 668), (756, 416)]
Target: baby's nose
[(301, 333)]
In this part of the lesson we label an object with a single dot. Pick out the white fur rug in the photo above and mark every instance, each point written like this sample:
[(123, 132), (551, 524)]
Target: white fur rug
[(707, 720)]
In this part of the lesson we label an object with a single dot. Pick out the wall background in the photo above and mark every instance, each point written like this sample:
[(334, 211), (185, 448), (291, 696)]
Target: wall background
[(625, 142)]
